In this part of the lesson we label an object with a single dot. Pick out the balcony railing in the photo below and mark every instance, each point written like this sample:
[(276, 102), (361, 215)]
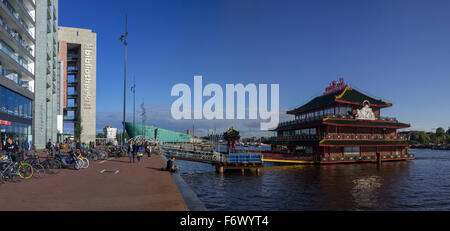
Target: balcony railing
[(16, 57), (14, 77), (16, 37), (16, 15), (349, 136), (69, 117), (343, 136), (315, 118), (72, 57), (297, 138), (25, 9)]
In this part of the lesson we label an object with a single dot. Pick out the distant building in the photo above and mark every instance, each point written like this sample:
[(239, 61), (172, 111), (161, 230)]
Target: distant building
[(159, 134), (110, 132), (78, 55)]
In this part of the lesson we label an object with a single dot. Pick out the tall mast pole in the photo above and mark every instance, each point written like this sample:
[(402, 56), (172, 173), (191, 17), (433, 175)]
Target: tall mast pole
[(133, 89), (123, 38)]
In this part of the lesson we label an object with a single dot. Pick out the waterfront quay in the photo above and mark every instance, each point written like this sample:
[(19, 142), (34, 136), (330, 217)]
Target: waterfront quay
[(222, 161), (143, 187)]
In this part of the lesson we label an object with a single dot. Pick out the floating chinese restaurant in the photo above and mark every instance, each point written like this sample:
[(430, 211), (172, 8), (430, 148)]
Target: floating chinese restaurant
[(341, 126)]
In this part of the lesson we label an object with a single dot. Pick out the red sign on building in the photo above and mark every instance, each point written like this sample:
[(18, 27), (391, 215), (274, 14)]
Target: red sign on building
[(335, 86)]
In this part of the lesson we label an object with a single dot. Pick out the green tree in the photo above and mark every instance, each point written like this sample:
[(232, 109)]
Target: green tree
[(421, 137), (440, 131), (78, 129)]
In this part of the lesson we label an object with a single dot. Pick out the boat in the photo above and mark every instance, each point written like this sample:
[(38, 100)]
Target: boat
[(343, 125)]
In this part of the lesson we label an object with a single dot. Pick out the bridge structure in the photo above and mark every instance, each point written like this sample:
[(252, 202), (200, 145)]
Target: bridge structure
[(222, 161)]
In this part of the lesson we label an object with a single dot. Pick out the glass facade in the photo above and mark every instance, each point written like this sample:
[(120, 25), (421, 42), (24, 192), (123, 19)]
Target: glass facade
[(15, 104), (15, 130)]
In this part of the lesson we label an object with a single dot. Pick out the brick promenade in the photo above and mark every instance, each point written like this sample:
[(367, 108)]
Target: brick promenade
[(136, 187)]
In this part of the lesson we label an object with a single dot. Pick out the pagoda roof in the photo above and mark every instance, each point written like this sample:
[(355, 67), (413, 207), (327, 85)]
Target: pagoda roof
[(346, 96), (343, 122)]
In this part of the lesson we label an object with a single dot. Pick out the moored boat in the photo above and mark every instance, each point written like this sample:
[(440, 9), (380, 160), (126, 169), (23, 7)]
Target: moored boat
[(343, 125)]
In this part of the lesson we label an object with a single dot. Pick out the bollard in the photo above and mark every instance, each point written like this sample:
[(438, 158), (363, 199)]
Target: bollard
[(378, 158)]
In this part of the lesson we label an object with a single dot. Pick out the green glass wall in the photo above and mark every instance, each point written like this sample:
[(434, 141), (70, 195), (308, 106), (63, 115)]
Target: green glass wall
[(163, 135)]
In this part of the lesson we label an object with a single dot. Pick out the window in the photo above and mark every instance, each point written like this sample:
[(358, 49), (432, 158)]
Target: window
[(351, 151)]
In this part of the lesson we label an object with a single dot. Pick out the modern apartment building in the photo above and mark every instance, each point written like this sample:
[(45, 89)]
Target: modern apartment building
[(17, 68), (78, 55), (46, 72)]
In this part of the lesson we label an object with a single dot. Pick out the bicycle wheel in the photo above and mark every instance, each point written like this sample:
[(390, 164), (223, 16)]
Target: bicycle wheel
[(13, 177), (56, 166), (25, 171), (78, 164), (39, 171), (85, 163), (52, 166)]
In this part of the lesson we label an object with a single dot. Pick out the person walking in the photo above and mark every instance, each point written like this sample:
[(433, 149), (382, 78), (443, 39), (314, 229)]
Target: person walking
[(26, 147), (139, 152), (131, 151), (57, 147), (149, 150)]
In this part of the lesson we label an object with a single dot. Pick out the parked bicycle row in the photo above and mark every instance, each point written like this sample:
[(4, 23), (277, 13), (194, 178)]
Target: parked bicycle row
[(16, 166)]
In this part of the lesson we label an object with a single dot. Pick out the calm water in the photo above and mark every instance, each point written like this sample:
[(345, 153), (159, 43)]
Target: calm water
[(421, 184)]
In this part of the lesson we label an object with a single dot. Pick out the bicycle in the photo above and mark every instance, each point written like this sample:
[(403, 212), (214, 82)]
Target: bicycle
[(39, 169), (51, 164), (80, 156), (15, 171), (92, 155), (70, 159)]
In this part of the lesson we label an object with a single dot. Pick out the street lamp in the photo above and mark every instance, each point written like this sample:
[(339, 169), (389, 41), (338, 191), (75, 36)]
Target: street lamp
[(123, 39)]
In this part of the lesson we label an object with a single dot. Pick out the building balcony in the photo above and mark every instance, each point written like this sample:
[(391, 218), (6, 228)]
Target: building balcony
[(296, 138), (69, 118), (15, 78), (10, 33), (9, 10), (304, 137), (16, 60), (73, 107), (72, 57), (24, 10), (321, 117), (345, 136)]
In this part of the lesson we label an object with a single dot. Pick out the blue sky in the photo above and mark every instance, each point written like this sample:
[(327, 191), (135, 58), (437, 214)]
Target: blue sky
[(398, 51)]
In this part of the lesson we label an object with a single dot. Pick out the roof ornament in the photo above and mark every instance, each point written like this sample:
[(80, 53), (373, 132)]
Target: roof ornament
[(366, 112), (335, 86)]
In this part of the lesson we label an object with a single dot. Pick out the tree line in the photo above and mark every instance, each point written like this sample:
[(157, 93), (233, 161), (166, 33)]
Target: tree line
[(439, 137)]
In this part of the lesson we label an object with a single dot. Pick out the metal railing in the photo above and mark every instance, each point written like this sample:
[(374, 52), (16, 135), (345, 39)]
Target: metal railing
[(321, 117), (16, 37), (342, 136), (212, 156)]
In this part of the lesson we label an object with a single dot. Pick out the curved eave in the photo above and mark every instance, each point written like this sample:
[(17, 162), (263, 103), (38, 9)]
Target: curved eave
[(342, 97)]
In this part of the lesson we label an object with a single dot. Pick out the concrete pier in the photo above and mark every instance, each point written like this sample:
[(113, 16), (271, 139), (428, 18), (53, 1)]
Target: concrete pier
[(135, 187)]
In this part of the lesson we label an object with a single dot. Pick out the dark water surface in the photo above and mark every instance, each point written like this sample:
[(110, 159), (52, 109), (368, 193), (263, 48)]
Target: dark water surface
[(421, 184)]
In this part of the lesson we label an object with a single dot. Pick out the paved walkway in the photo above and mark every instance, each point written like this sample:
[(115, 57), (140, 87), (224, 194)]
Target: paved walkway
[(136, 187)]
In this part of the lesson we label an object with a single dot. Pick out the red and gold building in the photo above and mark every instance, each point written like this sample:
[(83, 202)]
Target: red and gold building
[(341, 126)]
